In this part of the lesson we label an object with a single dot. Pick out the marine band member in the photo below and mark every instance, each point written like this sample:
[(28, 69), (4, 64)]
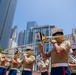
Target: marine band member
[(58, 54), (3, 62), (43, 65), (14, 63), (28, 61), (72, 61)]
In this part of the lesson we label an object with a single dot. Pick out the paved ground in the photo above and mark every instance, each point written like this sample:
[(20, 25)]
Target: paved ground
[(34, 73)]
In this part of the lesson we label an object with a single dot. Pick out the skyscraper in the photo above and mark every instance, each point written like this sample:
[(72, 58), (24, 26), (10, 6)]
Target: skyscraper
[(7, 10), (30, 24), (20, 38), (14, 33), (13, 37)]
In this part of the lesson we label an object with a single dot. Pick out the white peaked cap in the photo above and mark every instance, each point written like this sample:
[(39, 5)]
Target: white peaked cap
[(55, 30)]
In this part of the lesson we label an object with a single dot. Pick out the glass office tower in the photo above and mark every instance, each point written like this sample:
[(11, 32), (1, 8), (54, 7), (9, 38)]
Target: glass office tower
[(30, 24), (7, 10), (20, 38)]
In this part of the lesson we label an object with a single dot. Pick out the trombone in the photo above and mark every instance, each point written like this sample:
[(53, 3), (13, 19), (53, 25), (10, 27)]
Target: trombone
[(43, 40)]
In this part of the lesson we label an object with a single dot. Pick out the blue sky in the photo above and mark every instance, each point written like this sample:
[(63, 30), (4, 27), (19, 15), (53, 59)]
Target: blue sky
[(61, 13)]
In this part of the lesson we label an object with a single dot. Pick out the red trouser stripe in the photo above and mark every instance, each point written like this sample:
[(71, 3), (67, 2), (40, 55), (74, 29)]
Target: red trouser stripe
[(44, 73), (64, 73)]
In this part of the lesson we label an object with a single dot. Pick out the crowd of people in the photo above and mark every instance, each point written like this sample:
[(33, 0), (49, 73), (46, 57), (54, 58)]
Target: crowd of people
[(62, 61)]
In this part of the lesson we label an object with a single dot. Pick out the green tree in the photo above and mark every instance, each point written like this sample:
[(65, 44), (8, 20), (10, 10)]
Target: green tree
[(0, 50)]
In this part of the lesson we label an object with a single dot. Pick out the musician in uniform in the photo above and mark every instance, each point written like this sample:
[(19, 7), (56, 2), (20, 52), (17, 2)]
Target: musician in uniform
[(72, 61), (43, 65), (39, 62), (58, 54), (28, 61), (3, 62), (14, 64)]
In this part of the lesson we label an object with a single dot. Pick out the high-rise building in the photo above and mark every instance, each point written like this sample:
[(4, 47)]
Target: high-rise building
[(14, 33), (25, 37), (46, 30), (0, 1), (30, 24), (20, 38), (73, 37), (7, 10), (13, 38)]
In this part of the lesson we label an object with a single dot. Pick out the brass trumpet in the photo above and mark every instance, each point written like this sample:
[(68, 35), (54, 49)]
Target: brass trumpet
[(18, 53)]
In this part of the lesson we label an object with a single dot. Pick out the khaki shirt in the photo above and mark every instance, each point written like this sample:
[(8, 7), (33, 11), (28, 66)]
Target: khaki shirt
[(29, 66), (61, 58), (42, 64), (72, 60), (46, 62)]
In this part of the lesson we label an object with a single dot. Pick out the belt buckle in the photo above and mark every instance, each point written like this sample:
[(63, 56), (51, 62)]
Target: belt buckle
[(53, 65)]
